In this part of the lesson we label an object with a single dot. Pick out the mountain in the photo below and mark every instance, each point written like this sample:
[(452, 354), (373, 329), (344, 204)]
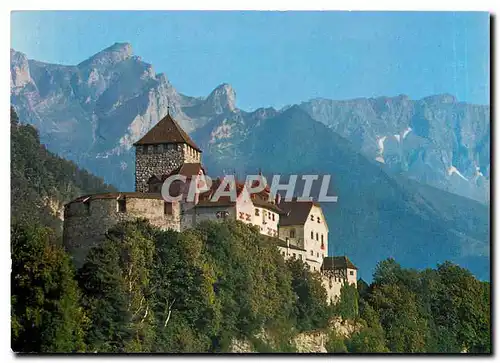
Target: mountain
[(391, 215), (92, 112), (41, 182), (436, 140), (385, 155)]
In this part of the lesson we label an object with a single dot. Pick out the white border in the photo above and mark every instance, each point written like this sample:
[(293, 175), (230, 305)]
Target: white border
[(7, 6)]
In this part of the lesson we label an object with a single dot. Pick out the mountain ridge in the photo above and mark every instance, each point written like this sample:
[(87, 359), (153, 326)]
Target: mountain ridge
[(93, 114)]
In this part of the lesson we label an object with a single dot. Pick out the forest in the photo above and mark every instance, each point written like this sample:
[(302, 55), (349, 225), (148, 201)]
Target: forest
[(148, 290)]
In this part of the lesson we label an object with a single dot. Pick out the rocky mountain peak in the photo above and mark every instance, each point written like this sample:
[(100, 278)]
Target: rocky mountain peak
[(116, 53), (222, 98), (19, 70)]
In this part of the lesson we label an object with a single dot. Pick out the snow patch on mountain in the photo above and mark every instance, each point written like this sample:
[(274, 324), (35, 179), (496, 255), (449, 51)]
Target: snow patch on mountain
[(380, 143), (454, 170), (406, 132)]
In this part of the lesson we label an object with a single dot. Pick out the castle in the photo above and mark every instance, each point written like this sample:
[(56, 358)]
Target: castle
[(299, 229)]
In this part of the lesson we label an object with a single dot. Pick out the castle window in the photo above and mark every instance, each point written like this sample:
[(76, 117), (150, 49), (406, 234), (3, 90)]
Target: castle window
[(351, 273), (257, 211), (317, 254), (122, 205), (317, 236), (269, 215), (294, 255), (86, 203), (312, 235), (312, 218), (319, 220), (321, 238), (273, 216), (312, 253), (300, 257), (167, 208), (292, 233)]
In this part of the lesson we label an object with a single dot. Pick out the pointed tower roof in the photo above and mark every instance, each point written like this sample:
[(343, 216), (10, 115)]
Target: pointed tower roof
[(167, 131)]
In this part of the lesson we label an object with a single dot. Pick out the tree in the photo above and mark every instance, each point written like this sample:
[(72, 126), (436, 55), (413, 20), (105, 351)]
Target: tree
[(46, 316), (311, 309), (115, 280), (347, 306)]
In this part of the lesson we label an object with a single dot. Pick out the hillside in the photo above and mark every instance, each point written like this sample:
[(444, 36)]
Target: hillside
[(41, 182), (396, 217), (92, 112), (223, 287)]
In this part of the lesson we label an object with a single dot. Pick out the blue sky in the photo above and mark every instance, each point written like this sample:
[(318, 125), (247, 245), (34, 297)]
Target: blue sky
[(280, 58)]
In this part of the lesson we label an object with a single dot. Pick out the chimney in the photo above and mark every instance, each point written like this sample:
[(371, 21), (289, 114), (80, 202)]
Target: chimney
[(277, 199)]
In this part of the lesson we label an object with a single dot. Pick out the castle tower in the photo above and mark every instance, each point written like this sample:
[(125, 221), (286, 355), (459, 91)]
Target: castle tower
[(163, 149)]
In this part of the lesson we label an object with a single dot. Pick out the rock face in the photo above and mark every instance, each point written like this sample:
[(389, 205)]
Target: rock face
[(375, 150), (436, 140), (305, 342), (97, 109), (93, 112)]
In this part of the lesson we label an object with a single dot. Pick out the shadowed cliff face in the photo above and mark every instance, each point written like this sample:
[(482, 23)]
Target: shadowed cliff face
[(437, 140), (383, 153), (96, 110)]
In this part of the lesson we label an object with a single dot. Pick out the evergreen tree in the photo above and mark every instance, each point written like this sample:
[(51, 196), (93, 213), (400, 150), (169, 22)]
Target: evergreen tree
[(46, 316)]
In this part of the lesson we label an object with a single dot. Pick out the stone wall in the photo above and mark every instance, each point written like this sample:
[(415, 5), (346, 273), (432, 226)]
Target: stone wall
[(156, 160), (85, 224)]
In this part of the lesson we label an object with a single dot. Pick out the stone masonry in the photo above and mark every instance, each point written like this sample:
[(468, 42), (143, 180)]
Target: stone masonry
[(160, 159), (86, 220)]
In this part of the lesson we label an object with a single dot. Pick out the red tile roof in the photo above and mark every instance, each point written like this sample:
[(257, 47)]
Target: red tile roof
[(167, 131)]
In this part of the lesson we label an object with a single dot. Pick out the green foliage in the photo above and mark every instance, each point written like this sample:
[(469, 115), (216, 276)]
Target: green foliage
[(45, 311), (368, 340), (335, 343), (310, 308), (442, 310), (147, 290), (41, 181), (347, 306), (150, 290)]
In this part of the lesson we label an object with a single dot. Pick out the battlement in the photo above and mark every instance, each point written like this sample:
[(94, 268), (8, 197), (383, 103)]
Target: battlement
[(88, 218)]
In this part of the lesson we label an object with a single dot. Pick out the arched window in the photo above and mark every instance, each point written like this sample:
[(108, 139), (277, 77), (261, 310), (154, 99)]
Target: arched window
[(322, 239), (312, 235), (317, 236)]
